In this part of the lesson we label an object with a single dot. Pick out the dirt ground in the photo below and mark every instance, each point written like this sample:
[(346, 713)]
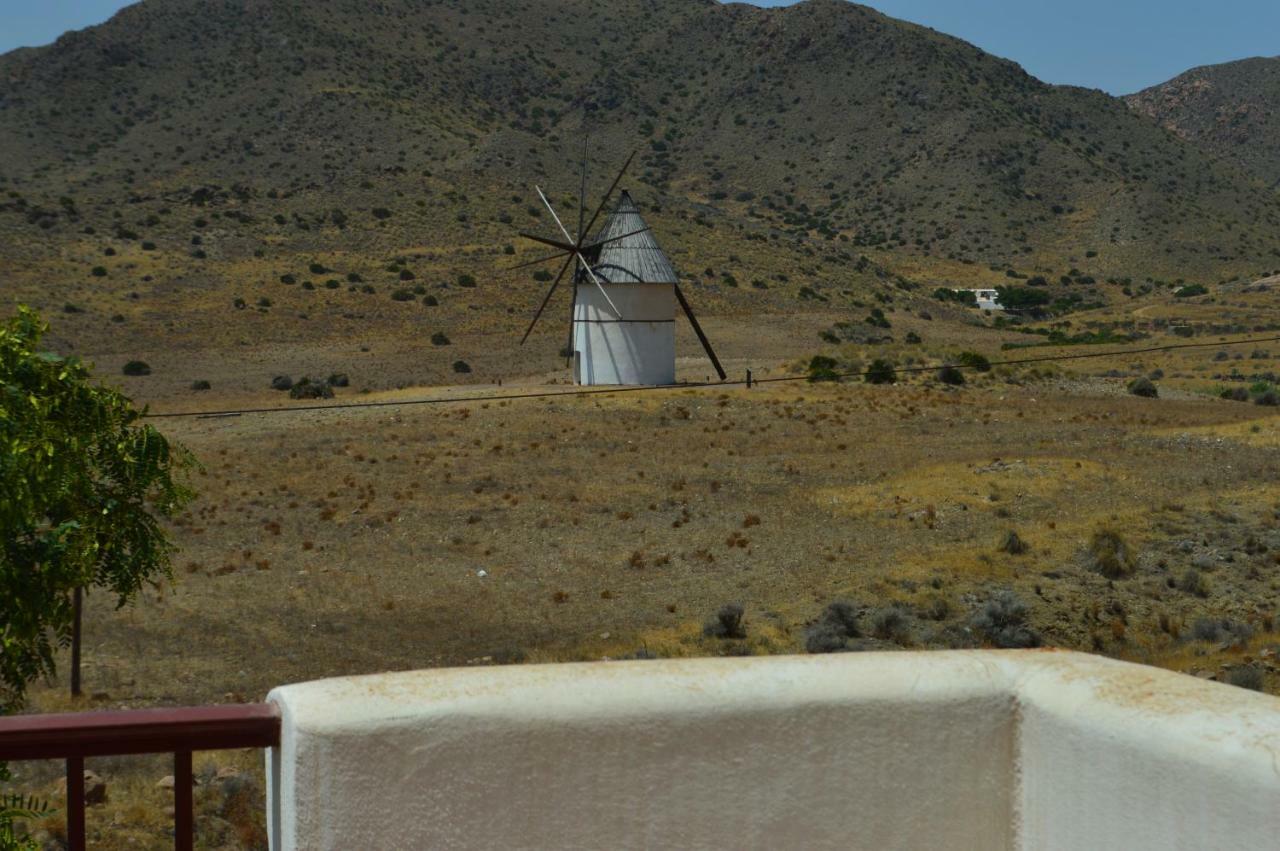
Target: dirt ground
[(612, 526)]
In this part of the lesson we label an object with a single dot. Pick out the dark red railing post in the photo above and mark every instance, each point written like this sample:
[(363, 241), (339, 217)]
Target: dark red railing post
[(75, 803), (184, 827)]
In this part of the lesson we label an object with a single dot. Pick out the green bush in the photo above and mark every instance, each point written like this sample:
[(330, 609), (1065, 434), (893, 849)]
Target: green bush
[(137, 367), (823, 368), (728, 623), (1190, 290), (1021, 298), (1110, 554), (439, 339), (1143, 387), (964, 297), (974, 360), (881, 372), (950, 375)]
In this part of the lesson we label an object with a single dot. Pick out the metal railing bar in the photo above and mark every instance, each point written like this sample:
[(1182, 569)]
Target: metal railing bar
[(135, 731)]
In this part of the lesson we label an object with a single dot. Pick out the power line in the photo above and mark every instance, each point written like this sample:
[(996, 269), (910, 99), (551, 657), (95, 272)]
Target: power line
[(547, 394)]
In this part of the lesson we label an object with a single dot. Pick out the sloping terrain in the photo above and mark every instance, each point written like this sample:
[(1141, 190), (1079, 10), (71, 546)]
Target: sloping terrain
[(223, 177), (1232, 111)]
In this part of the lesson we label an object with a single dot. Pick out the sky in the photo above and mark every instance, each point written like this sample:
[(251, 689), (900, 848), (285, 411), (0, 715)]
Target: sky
[(1119, 46)]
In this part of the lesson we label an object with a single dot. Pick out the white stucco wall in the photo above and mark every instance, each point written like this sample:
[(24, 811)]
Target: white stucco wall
[(639, 350), (967, 749)]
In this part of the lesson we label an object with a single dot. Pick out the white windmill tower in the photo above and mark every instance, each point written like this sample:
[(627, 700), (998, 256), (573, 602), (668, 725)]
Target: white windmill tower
[(625, 291)]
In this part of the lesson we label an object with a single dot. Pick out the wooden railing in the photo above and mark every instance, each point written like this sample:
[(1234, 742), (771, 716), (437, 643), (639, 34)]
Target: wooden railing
[(76, 735)]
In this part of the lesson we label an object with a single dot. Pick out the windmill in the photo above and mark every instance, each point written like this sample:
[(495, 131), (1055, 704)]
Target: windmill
[(622, 310)]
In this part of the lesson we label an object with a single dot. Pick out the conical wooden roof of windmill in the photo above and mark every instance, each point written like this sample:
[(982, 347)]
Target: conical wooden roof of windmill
[(636, 258)]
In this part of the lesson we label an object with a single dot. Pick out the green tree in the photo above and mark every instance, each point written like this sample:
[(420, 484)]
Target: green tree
[(85, 485)]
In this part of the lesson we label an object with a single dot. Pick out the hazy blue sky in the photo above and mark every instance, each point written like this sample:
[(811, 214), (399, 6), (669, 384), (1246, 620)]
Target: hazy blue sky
[(1117, 45)]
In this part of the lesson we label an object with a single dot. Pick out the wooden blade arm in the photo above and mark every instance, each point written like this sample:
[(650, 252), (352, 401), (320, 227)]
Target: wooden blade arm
[(559, 224), (614, 239), (555, 256), (546, 299), (554, 243), (605, 199)]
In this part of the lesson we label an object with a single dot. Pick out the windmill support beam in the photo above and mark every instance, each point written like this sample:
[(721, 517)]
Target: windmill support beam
[(697, 329)]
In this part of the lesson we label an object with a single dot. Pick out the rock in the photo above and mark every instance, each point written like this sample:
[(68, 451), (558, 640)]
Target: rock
[(95, 789), (165, 782), (1204, 561), (226, 773)]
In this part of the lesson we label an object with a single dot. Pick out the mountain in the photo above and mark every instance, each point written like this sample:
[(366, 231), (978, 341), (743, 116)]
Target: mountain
[(1231, 110), (336, 161)]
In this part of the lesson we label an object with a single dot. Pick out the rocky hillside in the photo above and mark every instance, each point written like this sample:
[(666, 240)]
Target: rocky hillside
[(336, 159), (1231, 111)]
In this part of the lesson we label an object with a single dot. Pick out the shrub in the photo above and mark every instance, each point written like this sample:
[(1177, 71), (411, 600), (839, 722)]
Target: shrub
[(318, 269), (823, 368), (974, 360), (466, 281), (832, 631), (281, 382), (402, 295), (1269, 398), (966, 297), (1190, 290), (406, 275), (461, 366), (877, 319), (99, 271), (891, 624), (431, 301), (1110, 554), (339, 379), (308, 389), (1143, 387), (1246, 676), (727, 623), (1002, 622), (1193, 583), (1235, 394), (881, 372), (1021, 298), (913, 338), (201, 384), (381, 213), (136, 367), (1013, 544), (950, 375), (439, 339), (1221, 630), (354, 278)]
